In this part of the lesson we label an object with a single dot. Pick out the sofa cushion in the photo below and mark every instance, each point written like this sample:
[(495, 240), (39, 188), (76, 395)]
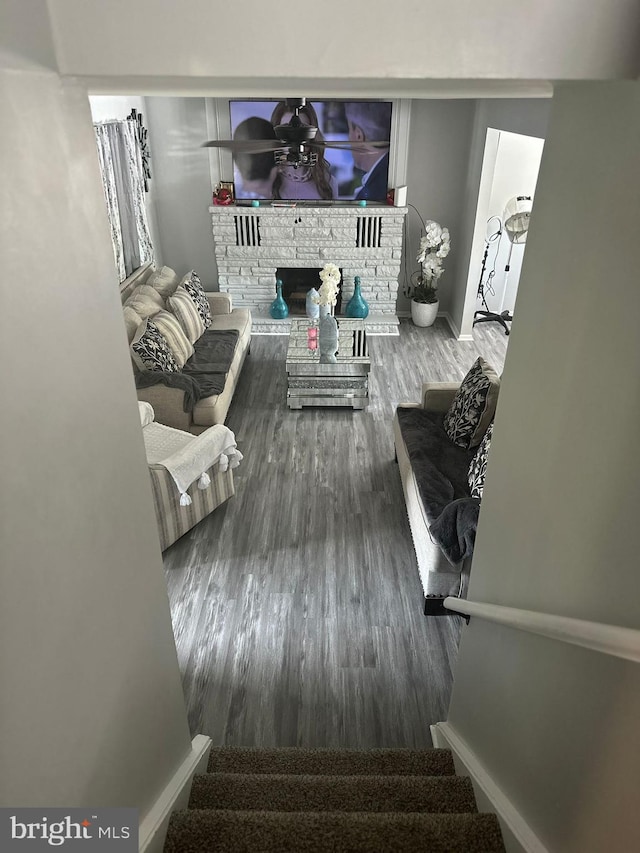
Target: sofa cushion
[(193, 286), (150, 350), (478, 467), (164, 280), (145, 301), (132, 321), (219, 303), (239, 319), (184, 309), (474, 405), (172, 331)]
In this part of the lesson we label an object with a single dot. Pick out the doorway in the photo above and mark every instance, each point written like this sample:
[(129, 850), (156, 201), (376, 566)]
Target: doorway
[(510, 167)]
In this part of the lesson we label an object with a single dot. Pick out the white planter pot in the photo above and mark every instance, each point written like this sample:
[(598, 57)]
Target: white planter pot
[(423, 314)]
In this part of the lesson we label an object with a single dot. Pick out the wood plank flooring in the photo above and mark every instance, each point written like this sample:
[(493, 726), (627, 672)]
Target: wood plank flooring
[(296, 606)]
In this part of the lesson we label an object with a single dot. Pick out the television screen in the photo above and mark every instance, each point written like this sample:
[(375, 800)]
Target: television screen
[(338, 174)]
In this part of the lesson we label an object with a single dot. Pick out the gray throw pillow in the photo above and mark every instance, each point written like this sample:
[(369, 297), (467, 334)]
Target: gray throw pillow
[(474, 405)]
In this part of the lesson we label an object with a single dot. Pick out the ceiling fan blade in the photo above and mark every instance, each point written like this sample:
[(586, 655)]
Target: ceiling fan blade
[(247, 146), (260, 146), (353, 146)]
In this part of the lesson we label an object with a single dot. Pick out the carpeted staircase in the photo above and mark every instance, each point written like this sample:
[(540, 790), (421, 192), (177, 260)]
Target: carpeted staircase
[(304, 800)]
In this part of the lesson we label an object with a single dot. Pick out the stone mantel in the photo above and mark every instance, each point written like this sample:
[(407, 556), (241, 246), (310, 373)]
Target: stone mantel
[(252, 242)]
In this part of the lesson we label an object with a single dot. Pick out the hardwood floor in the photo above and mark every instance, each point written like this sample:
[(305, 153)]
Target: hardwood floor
[(296, 606)]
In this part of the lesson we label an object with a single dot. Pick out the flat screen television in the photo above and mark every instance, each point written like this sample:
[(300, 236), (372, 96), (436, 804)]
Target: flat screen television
[(340, 174)]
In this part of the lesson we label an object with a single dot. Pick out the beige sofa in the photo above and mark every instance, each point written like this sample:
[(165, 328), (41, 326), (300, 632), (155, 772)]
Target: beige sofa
[(167, 402)]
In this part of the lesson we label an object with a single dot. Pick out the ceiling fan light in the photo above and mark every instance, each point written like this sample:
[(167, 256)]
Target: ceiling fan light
[(295, 134)]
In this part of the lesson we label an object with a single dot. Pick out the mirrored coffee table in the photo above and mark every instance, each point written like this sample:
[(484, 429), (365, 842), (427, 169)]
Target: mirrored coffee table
[(311, 383)]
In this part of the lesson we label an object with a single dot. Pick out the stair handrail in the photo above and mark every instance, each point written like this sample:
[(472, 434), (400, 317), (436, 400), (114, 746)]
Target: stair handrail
[(608, 639)]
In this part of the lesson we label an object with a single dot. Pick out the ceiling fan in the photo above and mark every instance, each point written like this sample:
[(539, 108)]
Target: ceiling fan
[(293, 143)]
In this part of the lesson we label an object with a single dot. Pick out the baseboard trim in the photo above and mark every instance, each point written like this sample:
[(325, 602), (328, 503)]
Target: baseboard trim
[(406, 315), (153, 828), (454, 328), (517, 834)]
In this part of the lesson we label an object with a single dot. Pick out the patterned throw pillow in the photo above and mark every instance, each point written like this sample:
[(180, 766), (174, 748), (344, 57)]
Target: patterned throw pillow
[(150, 350), (184, 310), (478, 466), (474, 406), (192, 284), (172, 332)]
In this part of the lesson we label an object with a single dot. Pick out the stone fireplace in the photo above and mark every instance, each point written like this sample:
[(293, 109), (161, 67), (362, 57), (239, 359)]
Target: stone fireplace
[(253, 243)]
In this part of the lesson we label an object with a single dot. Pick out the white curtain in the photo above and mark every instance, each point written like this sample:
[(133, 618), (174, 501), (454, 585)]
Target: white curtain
[(123, 181)]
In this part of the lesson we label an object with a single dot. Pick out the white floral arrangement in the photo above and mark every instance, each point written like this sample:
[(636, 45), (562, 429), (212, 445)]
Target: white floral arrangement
[(434, 246), (328, 292)]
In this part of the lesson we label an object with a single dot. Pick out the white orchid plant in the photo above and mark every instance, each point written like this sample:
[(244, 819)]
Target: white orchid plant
[(434, 247), (328, 292)]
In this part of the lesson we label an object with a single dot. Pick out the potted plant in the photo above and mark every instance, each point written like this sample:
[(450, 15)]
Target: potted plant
[(435, 245)]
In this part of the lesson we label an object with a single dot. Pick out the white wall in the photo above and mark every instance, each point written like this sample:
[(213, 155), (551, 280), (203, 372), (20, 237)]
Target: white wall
[(182, 185), (115, 107), (439, 140), (557, 726), (25, 35), (515, 172), (401, 45), (91, 707)]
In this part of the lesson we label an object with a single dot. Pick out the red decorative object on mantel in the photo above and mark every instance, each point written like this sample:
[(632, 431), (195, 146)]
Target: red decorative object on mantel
[(223, 193)]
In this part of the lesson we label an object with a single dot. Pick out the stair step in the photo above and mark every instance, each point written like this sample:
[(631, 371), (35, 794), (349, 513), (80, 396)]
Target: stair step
[(298, 793), (194, 831), (332, 762)]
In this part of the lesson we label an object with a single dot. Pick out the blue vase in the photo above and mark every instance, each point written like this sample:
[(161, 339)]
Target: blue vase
[(357, 305), (278, 309)]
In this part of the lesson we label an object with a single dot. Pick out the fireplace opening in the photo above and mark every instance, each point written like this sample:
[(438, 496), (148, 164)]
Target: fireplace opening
[(296, 281)]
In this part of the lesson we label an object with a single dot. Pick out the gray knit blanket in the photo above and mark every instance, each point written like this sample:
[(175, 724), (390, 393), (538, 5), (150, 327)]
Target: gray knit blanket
[(204, 374)]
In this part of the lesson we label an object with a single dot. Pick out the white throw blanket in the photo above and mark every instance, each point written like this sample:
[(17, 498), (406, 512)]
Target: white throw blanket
[(147, 415), (187, 457)]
